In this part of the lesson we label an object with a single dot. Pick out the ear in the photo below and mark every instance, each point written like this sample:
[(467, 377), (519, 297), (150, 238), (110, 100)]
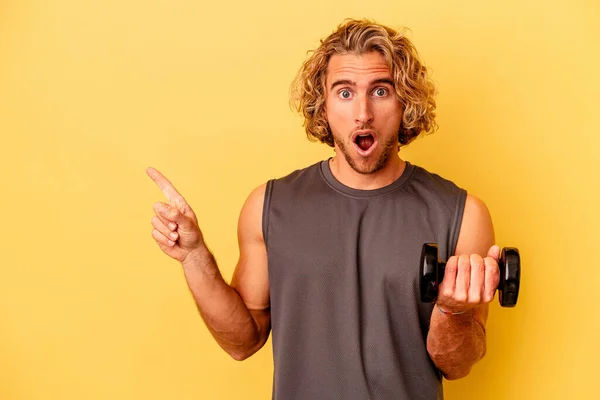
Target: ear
[(401, 137)]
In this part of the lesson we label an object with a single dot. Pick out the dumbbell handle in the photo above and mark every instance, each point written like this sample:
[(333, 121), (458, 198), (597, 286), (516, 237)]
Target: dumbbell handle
[(510, 274)]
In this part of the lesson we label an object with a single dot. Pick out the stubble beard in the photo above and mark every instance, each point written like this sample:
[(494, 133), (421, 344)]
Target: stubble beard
[(366, 166)]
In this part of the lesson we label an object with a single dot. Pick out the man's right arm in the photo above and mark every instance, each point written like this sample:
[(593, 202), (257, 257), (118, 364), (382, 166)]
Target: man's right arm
[(237, 315)]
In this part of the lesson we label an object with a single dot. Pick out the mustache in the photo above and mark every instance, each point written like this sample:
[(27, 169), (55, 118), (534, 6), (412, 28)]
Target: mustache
[(364, 128)]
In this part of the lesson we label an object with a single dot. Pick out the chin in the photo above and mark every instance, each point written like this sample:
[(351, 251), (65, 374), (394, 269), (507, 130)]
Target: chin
[(368, 166)]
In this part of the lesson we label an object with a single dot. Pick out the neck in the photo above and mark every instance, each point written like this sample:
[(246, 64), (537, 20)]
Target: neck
[(346, 175)]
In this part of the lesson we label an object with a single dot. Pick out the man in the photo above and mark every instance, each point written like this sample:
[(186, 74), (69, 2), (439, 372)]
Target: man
[(329, 254)]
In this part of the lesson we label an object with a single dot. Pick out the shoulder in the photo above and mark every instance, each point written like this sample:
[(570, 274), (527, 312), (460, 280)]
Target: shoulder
[(476, 211), (438, 191), (476, 231), (434, 180), (256, 198), (250, 219), (251, 214), (298, 174)]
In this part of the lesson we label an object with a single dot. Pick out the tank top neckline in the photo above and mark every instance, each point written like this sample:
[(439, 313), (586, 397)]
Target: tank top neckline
[(347, 190)]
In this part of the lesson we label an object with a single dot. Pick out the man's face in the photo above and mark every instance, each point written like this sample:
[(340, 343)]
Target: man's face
[(363, 110)]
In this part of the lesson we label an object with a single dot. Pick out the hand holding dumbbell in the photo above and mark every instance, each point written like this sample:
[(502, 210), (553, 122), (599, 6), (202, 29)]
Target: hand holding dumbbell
[(432, 270)]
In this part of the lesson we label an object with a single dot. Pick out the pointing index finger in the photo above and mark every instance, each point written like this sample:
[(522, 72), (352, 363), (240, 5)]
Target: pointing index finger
[(173, 196)]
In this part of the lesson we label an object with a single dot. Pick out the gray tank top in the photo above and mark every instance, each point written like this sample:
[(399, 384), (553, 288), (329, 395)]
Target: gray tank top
[(343, 265)]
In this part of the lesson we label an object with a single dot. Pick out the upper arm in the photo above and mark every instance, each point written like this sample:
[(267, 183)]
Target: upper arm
[(476, 236), (250, 278)]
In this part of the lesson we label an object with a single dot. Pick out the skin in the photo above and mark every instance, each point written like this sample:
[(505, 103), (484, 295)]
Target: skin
[(359, 96)]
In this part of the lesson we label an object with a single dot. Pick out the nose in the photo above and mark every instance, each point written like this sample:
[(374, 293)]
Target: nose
[(363, 112)]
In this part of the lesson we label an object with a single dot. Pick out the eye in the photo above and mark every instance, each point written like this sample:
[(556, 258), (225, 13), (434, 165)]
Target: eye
[(345, 94), (380, 92)]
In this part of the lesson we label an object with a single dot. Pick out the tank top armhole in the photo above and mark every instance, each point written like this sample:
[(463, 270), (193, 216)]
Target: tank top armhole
[(266, 209), (458, 217)]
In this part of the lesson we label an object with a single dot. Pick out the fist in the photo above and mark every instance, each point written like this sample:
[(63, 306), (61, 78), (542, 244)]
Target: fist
[(469, 281)]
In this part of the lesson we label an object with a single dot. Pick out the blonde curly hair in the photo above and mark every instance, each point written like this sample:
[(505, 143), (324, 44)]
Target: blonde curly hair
[(414, 88)]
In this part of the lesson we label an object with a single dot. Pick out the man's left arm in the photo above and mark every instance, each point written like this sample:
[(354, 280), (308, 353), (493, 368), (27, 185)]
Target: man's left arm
[(456, 338)]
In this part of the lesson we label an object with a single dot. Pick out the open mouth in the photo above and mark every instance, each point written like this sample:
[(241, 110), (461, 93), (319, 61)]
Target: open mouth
[(364, 142)]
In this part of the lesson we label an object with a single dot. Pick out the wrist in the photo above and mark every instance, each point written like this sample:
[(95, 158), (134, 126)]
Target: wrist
[(449, 311), (197, 257)]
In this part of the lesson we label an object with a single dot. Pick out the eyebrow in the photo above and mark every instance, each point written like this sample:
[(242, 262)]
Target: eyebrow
[(352, 83)]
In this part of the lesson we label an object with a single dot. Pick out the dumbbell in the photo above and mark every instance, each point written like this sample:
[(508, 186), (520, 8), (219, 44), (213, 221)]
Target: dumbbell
[(432, 270)]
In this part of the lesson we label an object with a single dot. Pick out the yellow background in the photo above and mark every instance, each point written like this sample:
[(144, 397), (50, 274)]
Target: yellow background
[(93, 92)]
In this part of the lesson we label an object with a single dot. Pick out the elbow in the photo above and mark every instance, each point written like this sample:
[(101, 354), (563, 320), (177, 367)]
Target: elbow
[(239, 355), (459, 371), (246, 344), (454, 368), (455, 374)]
